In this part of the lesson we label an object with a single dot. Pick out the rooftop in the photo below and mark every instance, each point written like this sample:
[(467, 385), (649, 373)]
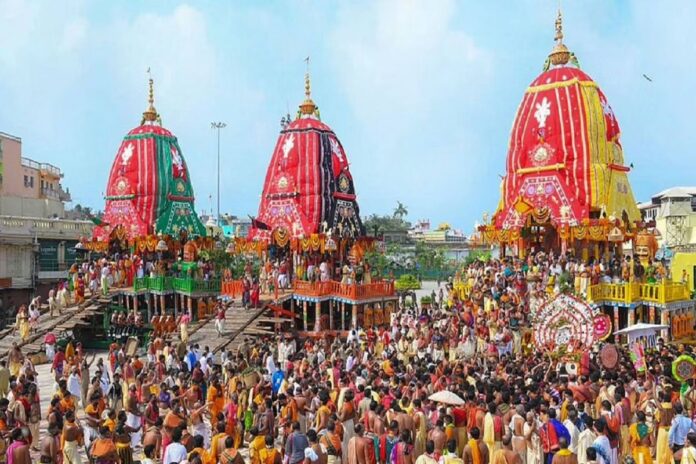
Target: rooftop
[(675, 192), (9, 136)]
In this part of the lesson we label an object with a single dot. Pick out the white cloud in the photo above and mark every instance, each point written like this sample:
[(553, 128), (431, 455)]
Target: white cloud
[(413, 80), (399, 57)]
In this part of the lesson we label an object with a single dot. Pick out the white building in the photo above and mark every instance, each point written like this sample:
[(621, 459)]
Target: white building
[(674, 213)]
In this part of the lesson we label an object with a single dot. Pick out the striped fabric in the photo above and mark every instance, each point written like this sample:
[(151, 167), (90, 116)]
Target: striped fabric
[(563, 154), (149, 188)]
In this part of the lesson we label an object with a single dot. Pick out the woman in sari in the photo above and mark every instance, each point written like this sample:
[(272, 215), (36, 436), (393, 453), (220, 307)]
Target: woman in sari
[(640, 439), (183, 327), (402, 453), (22, 323)]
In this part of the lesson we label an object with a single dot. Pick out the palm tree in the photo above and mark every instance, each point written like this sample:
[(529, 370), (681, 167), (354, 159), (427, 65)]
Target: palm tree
[(400, 211)]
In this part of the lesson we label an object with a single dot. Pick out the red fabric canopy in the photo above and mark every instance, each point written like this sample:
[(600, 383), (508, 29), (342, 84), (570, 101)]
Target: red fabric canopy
[(308, 186)]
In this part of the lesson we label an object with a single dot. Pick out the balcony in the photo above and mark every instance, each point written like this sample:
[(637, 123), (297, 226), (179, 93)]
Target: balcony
[(56, 194), (50, 170), (50, 193), (660, 293), (180, 285), (330, 289), (355, 292), (44, 228), (30, 163)]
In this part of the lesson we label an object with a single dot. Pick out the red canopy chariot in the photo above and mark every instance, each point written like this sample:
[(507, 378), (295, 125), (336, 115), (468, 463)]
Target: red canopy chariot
[(149, 189), (566, 178), (308, 187)]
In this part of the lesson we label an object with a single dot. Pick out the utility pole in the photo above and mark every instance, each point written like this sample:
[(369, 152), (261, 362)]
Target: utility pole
[(218, 126)]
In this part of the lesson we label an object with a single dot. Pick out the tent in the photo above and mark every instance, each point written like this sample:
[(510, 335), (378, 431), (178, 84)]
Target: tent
[(642, 332)]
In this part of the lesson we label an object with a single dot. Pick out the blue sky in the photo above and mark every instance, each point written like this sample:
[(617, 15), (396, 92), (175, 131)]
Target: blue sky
[(421, 93)]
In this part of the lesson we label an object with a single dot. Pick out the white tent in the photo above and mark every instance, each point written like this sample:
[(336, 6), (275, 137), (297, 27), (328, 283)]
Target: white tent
[(642, 332)]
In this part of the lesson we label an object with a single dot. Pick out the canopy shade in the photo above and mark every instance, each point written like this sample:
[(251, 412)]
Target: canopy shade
[(446, 397), (641, 327)]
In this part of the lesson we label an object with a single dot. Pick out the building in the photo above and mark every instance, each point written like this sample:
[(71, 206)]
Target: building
[(28, 188), (452, 242), (230, 226), (37, 245), (674, 213), (233, 226)]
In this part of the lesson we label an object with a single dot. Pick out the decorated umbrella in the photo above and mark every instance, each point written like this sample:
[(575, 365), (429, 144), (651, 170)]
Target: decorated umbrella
[(446, 397), (684, 368)]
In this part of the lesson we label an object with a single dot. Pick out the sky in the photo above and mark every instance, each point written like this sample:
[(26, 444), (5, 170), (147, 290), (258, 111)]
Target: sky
[(421, 93)]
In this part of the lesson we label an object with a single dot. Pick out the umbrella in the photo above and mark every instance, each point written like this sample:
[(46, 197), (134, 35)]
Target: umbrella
[(446, 397)]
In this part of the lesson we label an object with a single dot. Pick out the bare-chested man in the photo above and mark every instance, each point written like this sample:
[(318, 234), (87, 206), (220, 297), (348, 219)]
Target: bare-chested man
[(19, 448), (506, 453), (153, 436), (72, 439), (360, 449), (476, 451), (404, 420), (369, 416), (438, 436), (50, 446), (518, 442)]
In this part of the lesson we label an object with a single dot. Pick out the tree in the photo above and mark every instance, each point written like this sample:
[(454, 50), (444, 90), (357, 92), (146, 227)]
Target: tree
[(400, 211), (377, 225), (429, 257)]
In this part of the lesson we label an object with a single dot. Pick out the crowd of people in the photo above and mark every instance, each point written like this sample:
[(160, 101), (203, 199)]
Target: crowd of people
[(369, 398)]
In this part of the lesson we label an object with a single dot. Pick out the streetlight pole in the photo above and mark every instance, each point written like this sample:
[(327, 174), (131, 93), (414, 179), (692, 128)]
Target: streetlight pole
[(218, 126)]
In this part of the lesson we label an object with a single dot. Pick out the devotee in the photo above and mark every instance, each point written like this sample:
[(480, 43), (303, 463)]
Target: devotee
[(366, 398)]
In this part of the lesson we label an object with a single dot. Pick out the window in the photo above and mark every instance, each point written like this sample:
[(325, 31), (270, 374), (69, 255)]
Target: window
[(15, 261), (31, 182), (26, 181)]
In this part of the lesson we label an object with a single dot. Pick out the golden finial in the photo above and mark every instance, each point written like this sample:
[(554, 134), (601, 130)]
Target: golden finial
[(560, 54), (150, 114), (559, 27), (307, 106)]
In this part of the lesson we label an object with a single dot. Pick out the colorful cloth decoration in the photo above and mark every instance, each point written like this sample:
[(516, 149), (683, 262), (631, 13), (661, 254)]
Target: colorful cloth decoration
[(564, 323), (602, 326), (308, 188), (149, 189), (684, 368), (564, 158)]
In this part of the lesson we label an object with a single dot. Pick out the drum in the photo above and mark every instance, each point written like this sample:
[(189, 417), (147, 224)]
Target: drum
[(609, 356), (572, 368)]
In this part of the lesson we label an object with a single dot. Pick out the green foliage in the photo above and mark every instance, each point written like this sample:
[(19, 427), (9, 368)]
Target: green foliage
[(223, 260), (565, 284), (377, 224), (407, 282), (426, 300), (400, 211), (477, 255), (429, 257)]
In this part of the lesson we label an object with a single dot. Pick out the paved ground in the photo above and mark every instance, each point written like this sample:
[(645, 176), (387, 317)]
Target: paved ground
[(237, 320)]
